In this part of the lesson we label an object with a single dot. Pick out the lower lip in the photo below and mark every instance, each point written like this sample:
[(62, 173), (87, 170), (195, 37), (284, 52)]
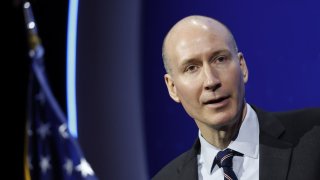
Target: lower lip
[(219, 104)]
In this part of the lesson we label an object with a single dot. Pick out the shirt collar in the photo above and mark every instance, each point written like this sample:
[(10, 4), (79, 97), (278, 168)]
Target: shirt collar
[(247, 141)]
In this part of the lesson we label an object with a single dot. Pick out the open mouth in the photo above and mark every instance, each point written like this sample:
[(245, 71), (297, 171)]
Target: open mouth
[(216, 101)]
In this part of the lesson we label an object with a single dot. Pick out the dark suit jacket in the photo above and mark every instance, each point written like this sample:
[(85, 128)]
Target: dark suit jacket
[(289, 149)]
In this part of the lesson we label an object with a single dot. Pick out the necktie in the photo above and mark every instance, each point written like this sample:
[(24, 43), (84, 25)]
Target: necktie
[(224, 160)]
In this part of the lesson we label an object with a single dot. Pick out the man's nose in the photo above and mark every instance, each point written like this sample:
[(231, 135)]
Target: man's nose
[(211, 78)]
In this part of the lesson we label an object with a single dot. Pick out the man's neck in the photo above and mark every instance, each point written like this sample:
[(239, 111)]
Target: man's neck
[(222, 136)]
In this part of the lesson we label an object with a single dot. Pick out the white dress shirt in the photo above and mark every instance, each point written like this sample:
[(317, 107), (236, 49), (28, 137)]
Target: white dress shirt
[(246, 167)]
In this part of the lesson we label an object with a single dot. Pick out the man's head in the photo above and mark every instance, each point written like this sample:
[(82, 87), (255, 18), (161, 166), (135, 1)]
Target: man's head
[(205, 71)]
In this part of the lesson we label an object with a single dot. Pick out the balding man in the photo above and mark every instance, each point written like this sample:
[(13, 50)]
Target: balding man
[(207, 74)]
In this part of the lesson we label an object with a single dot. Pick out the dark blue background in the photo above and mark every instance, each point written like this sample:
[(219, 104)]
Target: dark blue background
[(279, 39), (280, 42)]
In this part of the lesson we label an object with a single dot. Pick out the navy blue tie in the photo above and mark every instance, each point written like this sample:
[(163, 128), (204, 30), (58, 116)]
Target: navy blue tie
[(224, 160)]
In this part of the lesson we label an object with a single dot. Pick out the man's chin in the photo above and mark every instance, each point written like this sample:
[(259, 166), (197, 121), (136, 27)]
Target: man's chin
[(221, 121)]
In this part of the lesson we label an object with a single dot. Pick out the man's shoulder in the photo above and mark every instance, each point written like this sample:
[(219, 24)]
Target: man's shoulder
[(292, 125), (306, 116), (300, 125), (310, 115), (176, 168), (301, 111), (170, 171)]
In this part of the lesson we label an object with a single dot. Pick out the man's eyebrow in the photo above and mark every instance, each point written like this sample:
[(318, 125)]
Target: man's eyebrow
[(195, 61), (225, 51), (187, 62)]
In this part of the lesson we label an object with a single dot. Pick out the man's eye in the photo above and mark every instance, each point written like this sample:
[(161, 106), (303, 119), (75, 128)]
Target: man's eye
[(220, 59), (191, 68)]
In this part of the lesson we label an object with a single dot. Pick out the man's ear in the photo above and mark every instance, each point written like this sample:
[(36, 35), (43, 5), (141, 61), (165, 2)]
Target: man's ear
[(171, 88), (244, 68)]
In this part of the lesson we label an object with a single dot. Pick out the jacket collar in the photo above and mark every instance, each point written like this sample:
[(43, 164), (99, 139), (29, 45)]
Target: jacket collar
[(275, 154), (188, 170)]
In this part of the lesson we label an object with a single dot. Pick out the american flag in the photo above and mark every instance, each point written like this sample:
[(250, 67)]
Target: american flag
[(51, 152)]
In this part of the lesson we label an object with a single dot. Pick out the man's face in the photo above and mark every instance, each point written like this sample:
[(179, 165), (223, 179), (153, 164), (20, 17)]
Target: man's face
[(207, 74)]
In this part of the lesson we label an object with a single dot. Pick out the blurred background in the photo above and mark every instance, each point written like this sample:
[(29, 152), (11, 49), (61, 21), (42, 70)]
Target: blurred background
[(128, 127)]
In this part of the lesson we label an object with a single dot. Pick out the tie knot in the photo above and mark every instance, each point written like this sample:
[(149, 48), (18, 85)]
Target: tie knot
[(224, 158)]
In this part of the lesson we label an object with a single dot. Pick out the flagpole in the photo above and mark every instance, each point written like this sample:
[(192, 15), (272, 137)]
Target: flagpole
[(46, 116)]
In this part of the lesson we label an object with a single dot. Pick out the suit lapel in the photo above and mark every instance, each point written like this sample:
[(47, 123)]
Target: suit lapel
[(189, 169), (275, 154)]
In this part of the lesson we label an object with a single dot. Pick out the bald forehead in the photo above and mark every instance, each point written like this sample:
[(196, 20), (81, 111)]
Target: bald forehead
[(199, 22), (191, 25), (194, 23)]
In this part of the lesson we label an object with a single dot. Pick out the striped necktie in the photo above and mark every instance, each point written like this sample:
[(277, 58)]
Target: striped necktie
[(224, 160)]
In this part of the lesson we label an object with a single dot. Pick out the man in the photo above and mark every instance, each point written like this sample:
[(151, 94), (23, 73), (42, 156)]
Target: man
[(207, 74)]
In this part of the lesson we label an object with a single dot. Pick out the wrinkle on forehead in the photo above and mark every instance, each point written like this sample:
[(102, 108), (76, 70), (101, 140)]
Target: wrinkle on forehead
[(192, 26), (197, 23), (188, 25)]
